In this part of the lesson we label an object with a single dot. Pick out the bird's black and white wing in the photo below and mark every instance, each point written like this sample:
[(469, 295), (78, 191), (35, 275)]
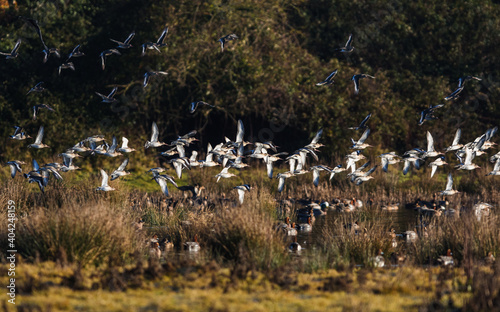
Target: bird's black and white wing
[(129, 38), (317, 137), (123, 165), (363, 123), (454, 94), (112, 93), (161, 39), (269, 168), (433, 171), (496, 167), (316, 176), (154, 134), (16, 47), (349, 41), (105, 178), (241, 132), (146, 79), (458, 134), (449, 182), (281, 184), (430, 142), (364, 136), (163, 185), (181, 150), (39, 136), (406, 167), (355, 78)]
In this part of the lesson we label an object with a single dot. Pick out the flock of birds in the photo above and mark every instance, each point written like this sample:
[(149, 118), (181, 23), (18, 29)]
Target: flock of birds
[(230, 154), (234, 155)]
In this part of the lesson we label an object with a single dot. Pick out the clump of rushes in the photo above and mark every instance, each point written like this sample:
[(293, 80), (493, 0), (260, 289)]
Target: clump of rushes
[(86, 234), (466, 236), (245, 234), (347, 240)]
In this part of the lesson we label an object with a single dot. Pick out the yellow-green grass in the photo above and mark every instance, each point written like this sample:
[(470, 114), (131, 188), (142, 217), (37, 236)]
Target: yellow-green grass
[(395, 289)]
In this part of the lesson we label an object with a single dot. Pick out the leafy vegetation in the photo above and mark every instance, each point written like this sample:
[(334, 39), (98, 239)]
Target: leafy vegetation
[(416, 50)]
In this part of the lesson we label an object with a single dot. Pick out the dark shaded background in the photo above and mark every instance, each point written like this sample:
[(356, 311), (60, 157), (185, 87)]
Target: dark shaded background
[(417, 50)]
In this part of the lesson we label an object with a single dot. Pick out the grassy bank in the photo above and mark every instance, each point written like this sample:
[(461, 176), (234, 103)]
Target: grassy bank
[(48, 287)]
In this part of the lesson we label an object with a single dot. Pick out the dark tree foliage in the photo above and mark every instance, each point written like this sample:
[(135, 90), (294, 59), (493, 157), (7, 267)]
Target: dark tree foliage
[(417, 50)]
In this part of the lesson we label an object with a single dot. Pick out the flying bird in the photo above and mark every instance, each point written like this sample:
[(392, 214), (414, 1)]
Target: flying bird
[(75, 53), (316, 170), (348, 46), (37, 88), (68, 65), (281, 179), (111, 151), (38, 140), (364, 176), (149, 46), (428, 114), (104, 54), (120, 172), (104, 184), (356, 78), (389, 159), (125, 44), (470, 153), (224, 174), (15, 166), (162, 179), (455, 145), (438, 162), (449, 185), (362, 125), (36, 108), (160, 43), (461, 84), (154, 138), (19, 135), (108, 98), (150, 74), (223, 41), (38, 176), (124, 148), (12, 54), (431, 152), (48, 51), (329, 80), (496, 168), (360, 144), (314, 145), (242, 189), (195, 105)]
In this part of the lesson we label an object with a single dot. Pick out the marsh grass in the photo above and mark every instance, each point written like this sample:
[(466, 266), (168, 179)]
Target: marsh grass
[(468, 238), (83, 234), (246, 233), (343, 244), (75, 224), (72, 223)]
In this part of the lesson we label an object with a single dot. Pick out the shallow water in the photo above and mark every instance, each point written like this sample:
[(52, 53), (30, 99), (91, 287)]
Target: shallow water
[(401, 220)]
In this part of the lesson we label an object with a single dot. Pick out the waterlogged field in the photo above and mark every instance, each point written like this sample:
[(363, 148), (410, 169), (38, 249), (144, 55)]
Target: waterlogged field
[(79, 249)]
